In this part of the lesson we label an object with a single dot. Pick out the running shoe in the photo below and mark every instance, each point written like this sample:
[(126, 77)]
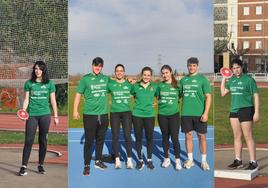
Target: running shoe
[(100, 165), (252, 166), (188, 164), (166, 163), (236, 164), (204, 165), (117, 164), (178, 164), (139, 165), (23, 171), (41, 169), (129, 164), (150, 165), (86, 171)]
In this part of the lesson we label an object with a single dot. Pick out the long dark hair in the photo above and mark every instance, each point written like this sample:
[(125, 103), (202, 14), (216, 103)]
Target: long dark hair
[(238, 62), (174, 82), (42, 67)]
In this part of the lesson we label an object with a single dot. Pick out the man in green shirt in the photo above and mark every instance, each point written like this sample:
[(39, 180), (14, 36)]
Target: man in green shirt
[(196, 100), (95, 116)]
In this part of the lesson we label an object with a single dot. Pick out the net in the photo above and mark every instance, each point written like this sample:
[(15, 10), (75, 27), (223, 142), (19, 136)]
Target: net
[(31, 30)]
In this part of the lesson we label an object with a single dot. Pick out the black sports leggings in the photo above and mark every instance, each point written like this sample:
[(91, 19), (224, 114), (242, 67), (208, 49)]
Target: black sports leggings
[(116, 118), (170, 126), (43, 123), (148, 124), (95, 127)]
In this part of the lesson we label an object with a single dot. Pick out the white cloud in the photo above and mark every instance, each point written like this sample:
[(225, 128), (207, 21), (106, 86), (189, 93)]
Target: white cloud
[(134, 32)]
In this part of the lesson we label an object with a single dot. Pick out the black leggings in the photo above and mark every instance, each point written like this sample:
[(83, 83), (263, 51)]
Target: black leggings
[(95, 127), (148, 124), (170, 126), (43, 123), (126, 119)]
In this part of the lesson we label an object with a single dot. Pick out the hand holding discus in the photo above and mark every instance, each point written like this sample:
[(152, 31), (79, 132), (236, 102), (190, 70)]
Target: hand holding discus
[(22, 114), (226, 72)]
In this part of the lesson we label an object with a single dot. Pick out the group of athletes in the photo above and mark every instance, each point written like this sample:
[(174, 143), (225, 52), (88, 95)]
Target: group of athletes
[(196, 99), (194, 90)]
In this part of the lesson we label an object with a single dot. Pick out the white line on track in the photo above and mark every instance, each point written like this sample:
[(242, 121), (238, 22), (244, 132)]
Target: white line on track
[(194, 139)]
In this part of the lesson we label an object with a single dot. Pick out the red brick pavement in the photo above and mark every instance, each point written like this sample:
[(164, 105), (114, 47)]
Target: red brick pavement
[(11, 122)]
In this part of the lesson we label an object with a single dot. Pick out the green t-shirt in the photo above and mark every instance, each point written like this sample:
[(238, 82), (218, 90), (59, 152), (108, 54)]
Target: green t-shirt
[(144, 98), (193, 90), (94, 88), (120, 93), (242, 90), (39, 95), (168, 99)]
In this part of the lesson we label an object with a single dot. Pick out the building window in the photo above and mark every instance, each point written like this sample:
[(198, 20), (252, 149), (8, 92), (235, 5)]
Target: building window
[(258, 44), (232, 45), (245, 44), (232, 28), (245, 27), (233, 11), (258, 27), (260, 67), (246, 11), (258, 10)]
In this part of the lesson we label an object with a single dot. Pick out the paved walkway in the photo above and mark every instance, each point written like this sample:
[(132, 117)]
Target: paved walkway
[(11, 122), (55, 165)]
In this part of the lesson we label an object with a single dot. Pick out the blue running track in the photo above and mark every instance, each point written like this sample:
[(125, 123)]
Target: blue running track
[(125, 178)]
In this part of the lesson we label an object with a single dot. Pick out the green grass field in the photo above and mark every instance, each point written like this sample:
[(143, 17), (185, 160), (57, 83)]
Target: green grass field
[(223, 131), (79, 123), (10, 137)]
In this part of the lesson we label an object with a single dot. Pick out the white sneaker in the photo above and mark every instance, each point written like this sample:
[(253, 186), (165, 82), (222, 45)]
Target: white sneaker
[(117, 164), (178, 164), (166, 163), (188, 164), (204, 165), (129, 164)]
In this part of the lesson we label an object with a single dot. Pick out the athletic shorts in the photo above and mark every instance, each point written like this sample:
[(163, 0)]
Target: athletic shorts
[(190, 123), (243, 114)]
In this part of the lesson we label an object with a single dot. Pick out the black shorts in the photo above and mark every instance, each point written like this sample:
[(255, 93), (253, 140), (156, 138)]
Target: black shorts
[(243, 114), (190, 123)]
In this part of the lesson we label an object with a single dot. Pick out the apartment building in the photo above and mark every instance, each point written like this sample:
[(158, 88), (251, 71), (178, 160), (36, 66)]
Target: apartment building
[(253, 33), (244, 24)]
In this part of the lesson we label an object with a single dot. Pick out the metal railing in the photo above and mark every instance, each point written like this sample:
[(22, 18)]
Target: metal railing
[(256, 76)]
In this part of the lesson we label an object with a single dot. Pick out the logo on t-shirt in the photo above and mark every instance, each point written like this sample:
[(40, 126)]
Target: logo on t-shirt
[(43, 87), (125, 87), (194, 81), (239, 83), (101, 80), (118, 101)]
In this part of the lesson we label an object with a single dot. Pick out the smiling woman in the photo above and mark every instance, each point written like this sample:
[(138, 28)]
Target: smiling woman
[(133, 36), (33, 66)]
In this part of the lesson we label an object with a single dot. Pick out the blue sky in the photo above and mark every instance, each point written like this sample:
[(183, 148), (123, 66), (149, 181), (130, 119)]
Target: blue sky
[(140, 33)]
